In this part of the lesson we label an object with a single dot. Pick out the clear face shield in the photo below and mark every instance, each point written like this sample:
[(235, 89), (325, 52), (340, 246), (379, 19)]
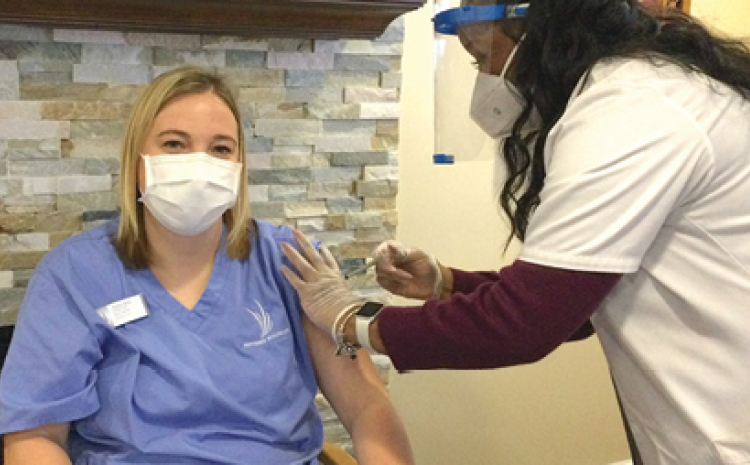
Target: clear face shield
[(465, 88)]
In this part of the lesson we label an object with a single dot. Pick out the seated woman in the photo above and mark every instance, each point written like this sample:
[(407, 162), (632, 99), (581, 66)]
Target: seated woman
[(170, 335)]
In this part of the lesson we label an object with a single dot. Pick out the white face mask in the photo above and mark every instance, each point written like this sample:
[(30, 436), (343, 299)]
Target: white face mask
[(496, 103), (188, 193)]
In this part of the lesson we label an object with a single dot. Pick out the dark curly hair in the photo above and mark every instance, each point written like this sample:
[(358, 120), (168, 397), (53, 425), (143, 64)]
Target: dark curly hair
[(563, 40)]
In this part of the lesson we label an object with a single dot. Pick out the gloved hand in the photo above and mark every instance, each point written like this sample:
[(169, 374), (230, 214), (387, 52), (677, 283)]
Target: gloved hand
[(320, 285), (407, 272)]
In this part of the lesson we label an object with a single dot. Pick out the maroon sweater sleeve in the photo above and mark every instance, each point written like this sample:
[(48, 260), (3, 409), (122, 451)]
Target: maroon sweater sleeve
[(518, 315)]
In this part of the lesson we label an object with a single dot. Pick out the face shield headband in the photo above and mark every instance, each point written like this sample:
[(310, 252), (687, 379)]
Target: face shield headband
[(450, 20)]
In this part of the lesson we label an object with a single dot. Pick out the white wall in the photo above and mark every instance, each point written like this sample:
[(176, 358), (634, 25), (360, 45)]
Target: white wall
[(560, 411)]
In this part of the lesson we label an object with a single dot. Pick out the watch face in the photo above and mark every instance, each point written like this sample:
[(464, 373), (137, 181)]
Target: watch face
[(369, 309)]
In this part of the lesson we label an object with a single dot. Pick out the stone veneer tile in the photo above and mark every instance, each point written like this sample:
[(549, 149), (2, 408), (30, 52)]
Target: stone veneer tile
[(305, 78), (380, 110), (178, 41), (374, 173), (242, 78), (34, 130), (259, 161), (294, 140), (353, 94), (280, 110), (322, 110), (391, 80), (366, 47), (286, 127), (38, 51), (116, 54), (58, 221), (72, 184), (353, 78), (258, 193), (323, 95), (287, 192), (359, 158), (83, 201), (308, 225), (112, 73), (344, 173), (57, 91), (304, 209), (290, 161), (379, 188), (172, 57), (285, 176), (8, 186), (234, 43), (290, 45), (380, 63), (331, 189), (245, 59), (353, 126), (39, 186), (88, 148), (20, 110), (101, 166), (380, 203), (9, 80), (344, 205), (387, 127), (98, 110), (301, 60), (344, 143), (46, 168), (6, 279), (27, 242), (253, 95), (10, 302), (357, 220), (267, 210), (97, 129), (88, 36), (376, 235), (57, 72), (255, 144), (24, 33)]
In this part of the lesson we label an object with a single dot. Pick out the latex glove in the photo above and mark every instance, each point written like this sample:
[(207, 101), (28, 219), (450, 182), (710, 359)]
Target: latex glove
[(407, 272), (320, 285)]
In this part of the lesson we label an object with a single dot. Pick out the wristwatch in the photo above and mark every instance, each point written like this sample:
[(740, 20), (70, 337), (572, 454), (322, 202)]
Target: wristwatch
[(363, 319)]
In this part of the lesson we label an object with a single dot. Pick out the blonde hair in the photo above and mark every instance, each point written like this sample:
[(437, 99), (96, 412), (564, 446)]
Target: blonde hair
[(131, 241)]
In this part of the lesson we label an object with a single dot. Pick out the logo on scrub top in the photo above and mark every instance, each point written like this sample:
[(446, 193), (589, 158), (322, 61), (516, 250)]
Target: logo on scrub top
[(266, 326)]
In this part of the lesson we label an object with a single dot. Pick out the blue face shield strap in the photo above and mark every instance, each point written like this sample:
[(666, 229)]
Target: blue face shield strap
[(449, 21)]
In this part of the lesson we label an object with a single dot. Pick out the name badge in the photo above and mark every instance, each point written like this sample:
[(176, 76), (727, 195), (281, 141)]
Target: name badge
[(124, 311)]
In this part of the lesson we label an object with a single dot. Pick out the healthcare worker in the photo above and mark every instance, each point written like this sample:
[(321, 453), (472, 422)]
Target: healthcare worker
[(627, 145), (169, 334)]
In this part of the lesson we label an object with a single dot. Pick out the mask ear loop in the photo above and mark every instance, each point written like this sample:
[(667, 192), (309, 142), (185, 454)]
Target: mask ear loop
[(511, 56)]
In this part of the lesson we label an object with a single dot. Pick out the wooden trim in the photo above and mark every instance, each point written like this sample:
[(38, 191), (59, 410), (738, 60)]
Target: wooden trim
[(326, 19)]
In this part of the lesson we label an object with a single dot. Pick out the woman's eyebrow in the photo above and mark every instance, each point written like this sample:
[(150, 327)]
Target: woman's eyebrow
[(176, 132)]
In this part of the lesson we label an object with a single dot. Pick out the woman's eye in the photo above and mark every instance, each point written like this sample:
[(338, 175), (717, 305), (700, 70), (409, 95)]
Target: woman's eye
[(222, 150), (172, 145)]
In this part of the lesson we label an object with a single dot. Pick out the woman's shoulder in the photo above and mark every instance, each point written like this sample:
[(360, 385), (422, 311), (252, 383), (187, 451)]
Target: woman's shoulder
[(266, 230), (89, 247)]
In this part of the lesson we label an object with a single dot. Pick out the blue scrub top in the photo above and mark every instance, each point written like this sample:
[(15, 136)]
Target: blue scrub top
[(228, 382)]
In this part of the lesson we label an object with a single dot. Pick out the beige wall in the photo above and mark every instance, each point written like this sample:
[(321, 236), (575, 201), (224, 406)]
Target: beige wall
[(561, 411), (726, 16)]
